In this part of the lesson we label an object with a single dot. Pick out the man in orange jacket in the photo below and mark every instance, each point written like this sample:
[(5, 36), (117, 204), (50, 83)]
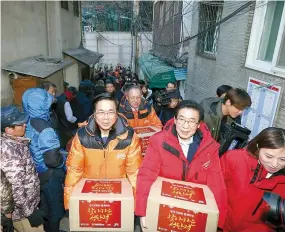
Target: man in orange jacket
[(105, 135), (137, 113)]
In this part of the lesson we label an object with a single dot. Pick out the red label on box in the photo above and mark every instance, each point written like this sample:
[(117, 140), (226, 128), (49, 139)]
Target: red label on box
[(144, 143), (100, 214), (92, 186), (183, 192), (177, 219), (144, 130)]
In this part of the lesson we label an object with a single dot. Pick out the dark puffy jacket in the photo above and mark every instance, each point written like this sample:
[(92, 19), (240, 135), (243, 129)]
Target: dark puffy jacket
[(166, 114), (81, 106), (145, 116), (44, 145), (17, 164), (246, 183), (64, 124), (90, 158), (99, 89), (164, 157)]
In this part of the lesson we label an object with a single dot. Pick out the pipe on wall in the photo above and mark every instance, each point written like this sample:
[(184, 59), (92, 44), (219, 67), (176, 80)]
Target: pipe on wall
[(48, 29)]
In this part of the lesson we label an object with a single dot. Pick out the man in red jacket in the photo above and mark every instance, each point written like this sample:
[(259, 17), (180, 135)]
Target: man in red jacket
[(184, 150)]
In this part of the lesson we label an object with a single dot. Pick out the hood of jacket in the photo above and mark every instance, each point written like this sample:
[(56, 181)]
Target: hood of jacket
[(37, 103), (213, 106)]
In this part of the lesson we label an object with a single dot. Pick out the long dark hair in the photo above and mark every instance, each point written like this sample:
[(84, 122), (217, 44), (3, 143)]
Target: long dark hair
[(271, 138)]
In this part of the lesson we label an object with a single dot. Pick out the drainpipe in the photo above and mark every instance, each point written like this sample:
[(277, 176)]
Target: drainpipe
[(80, 15), (136, 44), (48, 30)]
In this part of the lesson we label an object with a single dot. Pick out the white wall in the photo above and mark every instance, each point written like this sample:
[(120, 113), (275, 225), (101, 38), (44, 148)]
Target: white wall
[(114, 54), (21, 36), (72, 74), (70, 28), (30, 28)]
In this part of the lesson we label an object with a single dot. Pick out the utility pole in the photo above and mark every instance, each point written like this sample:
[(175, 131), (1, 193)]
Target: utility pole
[(136, 42)]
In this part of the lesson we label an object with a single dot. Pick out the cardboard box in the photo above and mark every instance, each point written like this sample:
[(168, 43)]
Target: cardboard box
[(102, 205), (181, 206), (144, 134)]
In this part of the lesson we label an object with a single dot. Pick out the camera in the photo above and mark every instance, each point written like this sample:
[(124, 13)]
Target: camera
[(276, 214), (160, 97), (163, 98), (235, 136)]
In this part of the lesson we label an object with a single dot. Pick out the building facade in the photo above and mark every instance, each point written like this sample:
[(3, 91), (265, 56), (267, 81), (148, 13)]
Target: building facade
[(250, 44), (30, 28)]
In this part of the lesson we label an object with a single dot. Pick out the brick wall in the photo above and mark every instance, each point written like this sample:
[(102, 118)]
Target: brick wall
[(205, 75)]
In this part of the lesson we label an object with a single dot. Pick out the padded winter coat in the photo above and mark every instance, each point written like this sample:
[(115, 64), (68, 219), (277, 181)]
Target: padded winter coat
[(164, 157), (90, 157), (44, 145), (213, 115), (246, 183), (145, 116), (19, 169)]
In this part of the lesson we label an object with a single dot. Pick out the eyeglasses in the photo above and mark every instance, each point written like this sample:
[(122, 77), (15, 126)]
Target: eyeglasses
[(191, 123), (102, 114)]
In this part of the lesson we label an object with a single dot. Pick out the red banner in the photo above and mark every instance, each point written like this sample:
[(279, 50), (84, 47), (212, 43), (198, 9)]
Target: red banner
[(183, 192), (144, 130), (103, 186), (100, 214), (177, 219)]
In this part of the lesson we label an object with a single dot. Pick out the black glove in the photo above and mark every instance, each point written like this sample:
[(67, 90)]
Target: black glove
[(36, 218), (7, 224)]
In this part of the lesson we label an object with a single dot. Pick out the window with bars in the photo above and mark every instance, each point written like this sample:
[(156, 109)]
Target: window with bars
[(76, 8), (209, 14), (64, 5)]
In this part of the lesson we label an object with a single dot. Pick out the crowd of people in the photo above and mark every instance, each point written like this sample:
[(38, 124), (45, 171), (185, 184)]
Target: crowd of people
[(51, 145)]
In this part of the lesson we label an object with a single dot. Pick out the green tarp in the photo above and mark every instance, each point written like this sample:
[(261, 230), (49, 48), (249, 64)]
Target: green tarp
[(156, 72)]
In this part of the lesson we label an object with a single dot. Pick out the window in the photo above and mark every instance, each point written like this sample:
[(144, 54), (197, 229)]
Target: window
[(161, 13), (210, 13), (266, 50), (76, 8), (64, 4)]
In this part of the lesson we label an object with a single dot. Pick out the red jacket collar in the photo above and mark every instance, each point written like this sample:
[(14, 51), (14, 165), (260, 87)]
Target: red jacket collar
[(203, 131), (262, 182)]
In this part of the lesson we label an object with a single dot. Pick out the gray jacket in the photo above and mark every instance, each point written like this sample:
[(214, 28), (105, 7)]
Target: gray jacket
[(213, 115), (16, 163)]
